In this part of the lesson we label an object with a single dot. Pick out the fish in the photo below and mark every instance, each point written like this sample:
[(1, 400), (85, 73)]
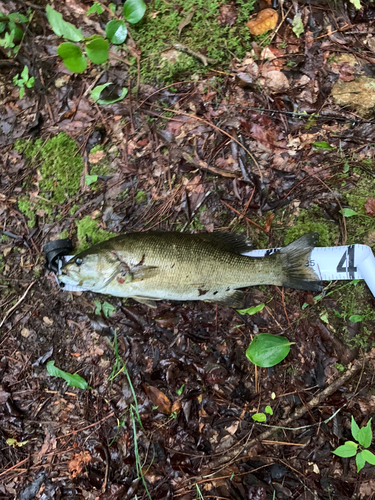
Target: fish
[(152, 266)]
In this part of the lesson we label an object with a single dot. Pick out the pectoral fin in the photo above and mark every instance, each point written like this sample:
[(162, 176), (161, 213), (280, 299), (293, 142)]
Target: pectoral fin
[(148, 301), (141, 273)]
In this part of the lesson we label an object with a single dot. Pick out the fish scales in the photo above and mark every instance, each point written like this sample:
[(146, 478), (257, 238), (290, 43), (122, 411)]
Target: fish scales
[(153, 266)]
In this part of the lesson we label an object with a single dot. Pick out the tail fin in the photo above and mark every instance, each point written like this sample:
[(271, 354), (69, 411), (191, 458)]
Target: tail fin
[(295, 258)]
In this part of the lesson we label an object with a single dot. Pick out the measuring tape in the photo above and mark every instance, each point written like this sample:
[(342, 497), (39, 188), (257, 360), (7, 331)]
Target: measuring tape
[(329, 263), (352, 262)]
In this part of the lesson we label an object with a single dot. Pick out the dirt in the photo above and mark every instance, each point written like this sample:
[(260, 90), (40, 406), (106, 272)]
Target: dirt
[(256, 144)]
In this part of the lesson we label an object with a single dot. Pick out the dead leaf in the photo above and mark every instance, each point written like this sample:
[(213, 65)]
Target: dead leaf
[(96, 157), (185, 22), (78, 462), (370, 207), (158, 399), (265, 20), (274, 81), (227, 15)]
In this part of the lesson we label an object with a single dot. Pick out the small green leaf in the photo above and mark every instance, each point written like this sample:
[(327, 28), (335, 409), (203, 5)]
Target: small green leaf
[(18, 18), (297, 25), (72, 57), (348, 212), (304, 306), (22, 92), (134, 10), (356, 318), (72, 380), (355, 429), (324, 317), (112, 7), (96, 92), (349, 449), (357, 4), (323, 145), (368, 456), (268, 410), (95, 8), (108, 309), (259, 417), (62, 28), (30, 82), (267, 350), (98, 305), (97, 50), (116, 31), (360, 461), (365, 435), (90, 179), (251, 310), (25, 74), (180, 390)]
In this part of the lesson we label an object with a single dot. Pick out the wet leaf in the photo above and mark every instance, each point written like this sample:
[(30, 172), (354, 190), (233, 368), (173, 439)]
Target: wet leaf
[(268, 350), (116, 31), (134, 10), (158, 399), (96, 93), (72, 57), (370, 207), (72, 380), (90, 179), (251, 310), (349, 449), (97, 50), (265, 20), (62, 28), (95, 8)]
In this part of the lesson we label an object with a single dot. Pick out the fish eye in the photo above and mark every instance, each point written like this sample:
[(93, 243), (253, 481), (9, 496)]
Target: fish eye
[(78, 261)]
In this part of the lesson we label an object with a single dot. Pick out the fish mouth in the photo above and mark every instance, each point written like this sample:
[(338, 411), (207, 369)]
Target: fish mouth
[(80, 282)]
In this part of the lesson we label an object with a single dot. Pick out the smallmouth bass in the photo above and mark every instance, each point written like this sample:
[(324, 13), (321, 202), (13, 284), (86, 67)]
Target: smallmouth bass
[(154, 266)]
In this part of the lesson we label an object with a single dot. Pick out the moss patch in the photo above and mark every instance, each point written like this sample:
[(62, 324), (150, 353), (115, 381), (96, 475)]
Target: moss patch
[(158, 31), (89, 233), (58, 176)]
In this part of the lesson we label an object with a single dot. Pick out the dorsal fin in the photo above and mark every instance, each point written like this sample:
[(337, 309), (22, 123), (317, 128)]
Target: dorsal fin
[(236, 243)]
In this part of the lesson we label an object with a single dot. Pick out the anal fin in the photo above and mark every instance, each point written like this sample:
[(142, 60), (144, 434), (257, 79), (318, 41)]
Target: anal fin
[(148, 301), (234, 299)]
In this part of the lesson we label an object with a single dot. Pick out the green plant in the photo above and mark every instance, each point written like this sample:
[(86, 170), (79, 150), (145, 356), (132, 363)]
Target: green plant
[(23, 81), (350, 449), (96, 47), (262, 417), (11, 32), (106, 308), (74, 380), (267, 350)]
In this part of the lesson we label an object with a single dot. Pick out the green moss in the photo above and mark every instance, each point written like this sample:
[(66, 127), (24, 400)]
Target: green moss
[(4, 238), (313, 220), (359, 226), (158, 31), (89, 233), (59, 167), (64, 234)]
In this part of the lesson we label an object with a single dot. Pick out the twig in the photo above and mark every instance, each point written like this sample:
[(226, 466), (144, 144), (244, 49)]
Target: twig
[(248, 220), (205, 60), (7, 314)]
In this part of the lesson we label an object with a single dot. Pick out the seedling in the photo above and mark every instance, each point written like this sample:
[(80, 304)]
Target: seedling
[(106, 308), (350, 449), (262, 417), (10, 31), (74, 380), (23, 81)]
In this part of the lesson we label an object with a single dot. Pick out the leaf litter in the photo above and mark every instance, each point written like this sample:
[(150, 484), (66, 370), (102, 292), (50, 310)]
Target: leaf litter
[(173, 158)]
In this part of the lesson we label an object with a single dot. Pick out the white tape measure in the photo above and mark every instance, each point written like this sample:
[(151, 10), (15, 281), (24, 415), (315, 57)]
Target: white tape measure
[(338, 263)]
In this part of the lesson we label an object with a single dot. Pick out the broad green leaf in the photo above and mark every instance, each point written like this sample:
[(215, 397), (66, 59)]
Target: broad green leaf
[(357, 4), (268, 410), (97, 50), (348, 212), (251, 310), (368, 456), (61, 27), (90, 179), (96, 91), (360, 461), (25, 74), (134, 10), (259, 417), (267, 350), (365, 435), (30, 82), (116, 31), (108, 309), (349, 449), (16, 17), (297, 25), (323, 145), (356, 318), (354, 428), (72, 57), (95, 8), (72, 380)]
